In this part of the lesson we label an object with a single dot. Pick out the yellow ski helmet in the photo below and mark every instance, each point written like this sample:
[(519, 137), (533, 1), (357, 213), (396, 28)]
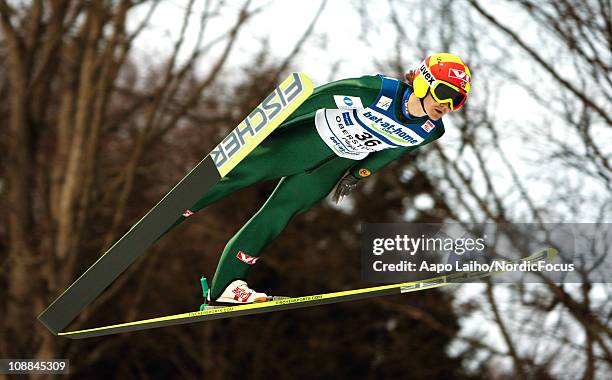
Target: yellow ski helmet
[(446, 76)]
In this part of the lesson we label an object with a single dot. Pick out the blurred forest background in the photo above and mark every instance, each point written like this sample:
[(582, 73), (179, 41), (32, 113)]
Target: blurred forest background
[(94, 132)]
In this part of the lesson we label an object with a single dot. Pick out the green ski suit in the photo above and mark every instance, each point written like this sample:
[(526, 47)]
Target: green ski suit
[(308, 170)]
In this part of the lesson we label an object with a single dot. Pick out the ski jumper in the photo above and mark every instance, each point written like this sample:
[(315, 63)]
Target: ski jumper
[(357, 125)]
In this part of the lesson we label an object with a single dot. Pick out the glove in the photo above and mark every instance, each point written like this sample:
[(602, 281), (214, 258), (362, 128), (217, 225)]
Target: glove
[(347, 184)]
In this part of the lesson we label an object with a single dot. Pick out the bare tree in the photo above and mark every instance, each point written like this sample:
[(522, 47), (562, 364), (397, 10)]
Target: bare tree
[(96, 134), (559, 53), (77, 118)]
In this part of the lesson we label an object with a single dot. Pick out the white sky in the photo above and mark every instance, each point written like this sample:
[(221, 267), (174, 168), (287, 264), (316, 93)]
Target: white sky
[(283, 23)]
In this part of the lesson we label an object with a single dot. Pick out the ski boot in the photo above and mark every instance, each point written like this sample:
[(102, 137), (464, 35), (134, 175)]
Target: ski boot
[(236, 293)]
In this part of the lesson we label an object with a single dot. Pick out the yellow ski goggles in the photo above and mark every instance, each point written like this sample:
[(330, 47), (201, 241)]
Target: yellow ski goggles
[(444, 92)]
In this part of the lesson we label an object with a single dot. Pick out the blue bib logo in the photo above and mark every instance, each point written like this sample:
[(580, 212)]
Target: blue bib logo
[(347, 118), (348, 101)]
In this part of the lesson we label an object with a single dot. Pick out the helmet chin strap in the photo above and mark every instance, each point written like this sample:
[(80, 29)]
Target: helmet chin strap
[(423, 103)]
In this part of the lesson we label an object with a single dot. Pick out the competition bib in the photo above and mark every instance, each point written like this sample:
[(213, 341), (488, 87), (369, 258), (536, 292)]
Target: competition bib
[(354, 132)]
